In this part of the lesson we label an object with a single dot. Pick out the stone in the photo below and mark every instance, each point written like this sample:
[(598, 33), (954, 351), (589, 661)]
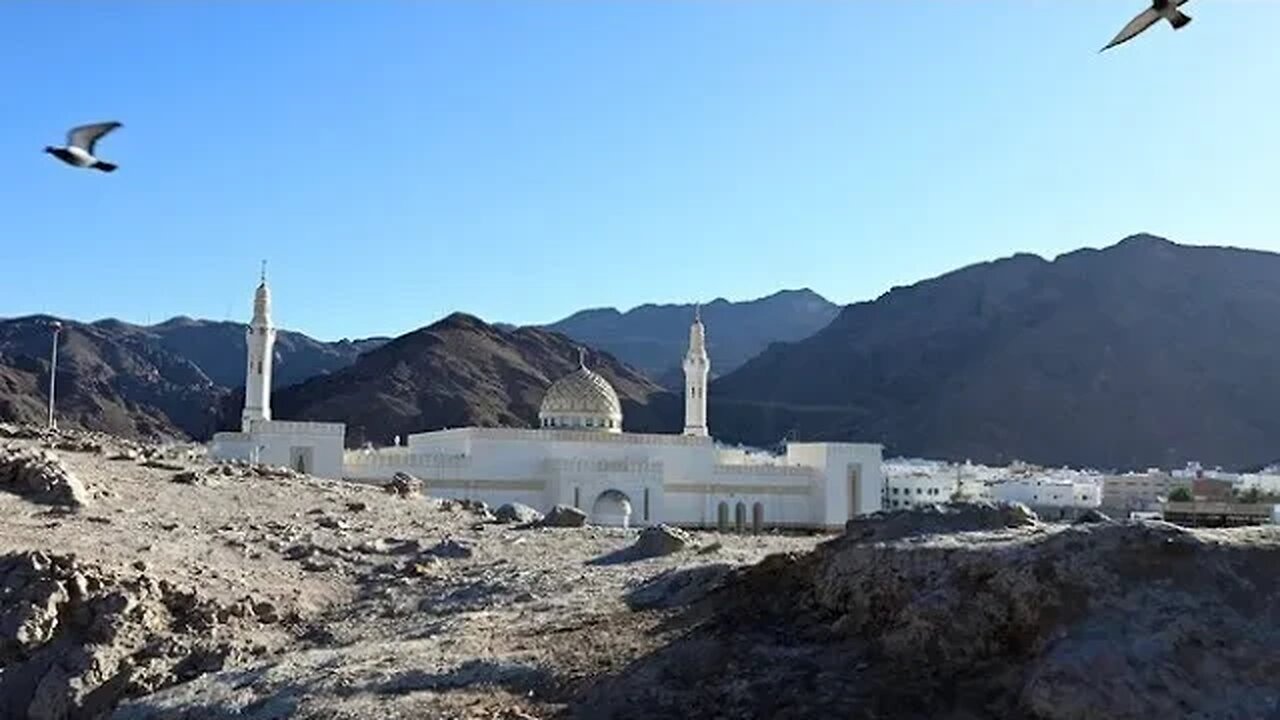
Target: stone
[(714, 547), (661, 540), (451, 549), (1092, 516), (404, 485), (517, 513), (187, 477), (564, 516), (333, 523)]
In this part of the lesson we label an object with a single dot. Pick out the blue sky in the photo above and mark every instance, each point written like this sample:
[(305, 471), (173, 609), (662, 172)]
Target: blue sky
[(395, 161)]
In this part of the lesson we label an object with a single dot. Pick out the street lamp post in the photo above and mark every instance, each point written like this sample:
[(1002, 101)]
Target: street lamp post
[(53, 372)]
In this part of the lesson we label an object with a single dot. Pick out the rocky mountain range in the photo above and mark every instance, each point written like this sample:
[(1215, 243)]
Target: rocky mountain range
[(462, 371), (1143, 353), (653, 338), (166, 380)]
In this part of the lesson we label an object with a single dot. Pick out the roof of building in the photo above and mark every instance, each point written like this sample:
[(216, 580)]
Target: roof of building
[(582, 392)]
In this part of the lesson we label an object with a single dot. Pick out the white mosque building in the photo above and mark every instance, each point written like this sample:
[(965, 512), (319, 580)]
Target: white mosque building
[(580, 455)]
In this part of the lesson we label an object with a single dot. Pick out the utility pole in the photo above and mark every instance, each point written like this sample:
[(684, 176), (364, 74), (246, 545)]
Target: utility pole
[(53, 372)]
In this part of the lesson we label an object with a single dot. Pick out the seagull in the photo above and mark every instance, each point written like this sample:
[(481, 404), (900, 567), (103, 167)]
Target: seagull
[(1167, 9), (79, 149)]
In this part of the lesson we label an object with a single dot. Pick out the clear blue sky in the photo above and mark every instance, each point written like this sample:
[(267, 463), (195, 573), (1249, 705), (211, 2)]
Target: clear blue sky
[(395, 161)]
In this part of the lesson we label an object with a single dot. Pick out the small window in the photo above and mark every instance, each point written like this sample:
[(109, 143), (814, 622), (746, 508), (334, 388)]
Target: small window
[(895, 491)]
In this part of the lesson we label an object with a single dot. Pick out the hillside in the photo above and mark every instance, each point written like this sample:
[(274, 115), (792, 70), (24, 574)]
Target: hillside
[(1139, 354), (218, 349), (108, 379), (165, 380), (654, 338), (462, 371)]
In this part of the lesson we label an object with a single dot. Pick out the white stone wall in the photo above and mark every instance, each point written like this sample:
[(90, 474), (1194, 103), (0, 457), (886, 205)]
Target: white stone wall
[(283, 443), (834, 463), (676, 477)]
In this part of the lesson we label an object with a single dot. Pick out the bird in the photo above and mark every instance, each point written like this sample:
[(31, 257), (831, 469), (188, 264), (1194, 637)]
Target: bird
[(78, 151), (1167, 9)]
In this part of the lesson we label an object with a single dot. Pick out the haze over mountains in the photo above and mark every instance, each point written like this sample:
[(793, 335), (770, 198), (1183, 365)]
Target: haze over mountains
[(653, 338), (1143, 353)]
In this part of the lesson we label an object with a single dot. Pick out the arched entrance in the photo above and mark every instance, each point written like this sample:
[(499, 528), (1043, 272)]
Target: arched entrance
[(613, 508)]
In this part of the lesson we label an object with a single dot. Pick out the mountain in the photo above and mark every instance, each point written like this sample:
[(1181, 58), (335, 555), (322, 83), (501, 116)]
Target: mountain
[(112, 379), (461, 371), (654, 338), (1143, 353), (218, 348), (166, 380)]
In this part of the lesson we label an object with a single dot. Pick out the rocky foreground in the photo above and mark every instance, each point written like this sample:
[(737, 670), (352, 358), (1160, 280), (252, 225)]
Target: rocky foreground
[(140, 582)]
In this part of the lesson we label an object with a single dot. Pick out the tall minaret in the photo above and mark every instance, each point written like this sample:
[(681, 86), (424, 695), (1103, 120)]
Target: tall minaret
[(261, 339), (696, 367)]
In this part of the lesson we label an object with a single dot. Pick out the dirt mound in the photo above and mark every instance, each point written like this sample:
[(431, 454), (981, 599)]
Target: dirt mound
[(933, 519), (40, 476), (75, 639), (1117, 620)]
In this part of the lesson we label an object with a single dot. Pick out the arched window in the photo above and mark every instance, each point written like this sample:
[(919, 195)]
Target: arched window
[(757, 518), (740, 517), (722, 517)]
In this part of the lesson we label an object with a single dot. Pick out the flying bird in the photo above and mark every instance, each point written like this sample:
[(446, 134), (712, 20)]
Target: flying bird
[(79, 148), (1167, 9)]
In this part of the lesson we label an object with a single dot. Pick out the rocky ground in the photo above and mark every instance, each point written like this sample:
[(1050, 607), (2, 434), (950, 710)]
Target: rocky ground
[(140, 583), (185, 589)]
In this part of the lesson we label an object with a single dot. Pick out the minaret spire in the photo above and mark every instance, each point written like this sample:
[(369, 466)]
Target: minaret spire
[(697, 367), (260, 339)]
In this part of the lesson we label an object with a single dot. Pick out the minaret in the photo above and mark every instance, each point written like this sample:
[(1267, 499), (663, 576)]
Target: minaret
[(696, 367), (261, 340)]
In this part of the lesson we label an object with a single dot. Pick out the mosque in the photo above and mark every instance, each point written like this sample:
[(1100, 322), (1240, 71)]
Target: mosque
[(579, 455)]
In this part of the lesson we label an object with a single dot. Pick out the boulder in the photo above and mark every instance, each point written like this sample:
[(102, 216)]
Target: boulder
[(40, 476), (564, 516), (517, 513), (404, 485), (661, 540)]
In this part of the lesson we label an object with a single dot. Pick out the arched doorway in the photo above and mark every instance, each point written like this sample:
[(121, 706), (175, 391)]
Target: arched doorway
[(757, 518), (740, 517), (613, 508), (722, 517)]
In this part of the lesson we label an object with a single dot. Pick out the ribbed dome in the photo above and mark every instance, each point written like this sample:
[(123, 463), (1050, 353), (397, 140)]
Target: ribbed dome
[(581, 399)]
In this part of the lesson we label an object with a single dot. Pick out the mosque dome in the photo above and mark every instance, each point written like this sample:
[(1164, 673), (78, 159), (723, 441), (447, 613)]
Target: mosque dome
[(581, 400)]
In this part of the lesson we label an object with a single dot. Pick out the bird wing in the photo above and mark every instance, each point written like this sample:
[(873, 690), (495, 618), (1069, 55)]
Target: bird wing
[(86, 136), (1144, 20)]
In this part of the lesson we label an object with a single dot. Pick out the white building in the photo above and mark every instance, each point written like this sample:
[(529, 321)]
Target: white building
[(1049, 495), (580, 455), (309, 447)]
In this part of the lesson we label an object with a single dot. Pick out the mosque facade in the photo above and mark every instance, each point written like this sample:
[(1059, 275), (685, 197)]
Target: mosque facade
[(579, 455)]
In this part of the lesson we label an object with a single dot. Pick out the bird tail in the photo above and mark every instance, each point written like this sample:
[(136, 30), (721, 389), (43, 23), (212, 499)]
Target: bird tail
[(1179, 19), (104, 166)]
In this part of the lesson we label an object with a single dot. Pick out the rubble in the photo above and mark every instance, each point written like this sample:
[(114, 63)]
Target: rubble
[(76, 639), (517, 513), (564, 516), (39, 476)]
